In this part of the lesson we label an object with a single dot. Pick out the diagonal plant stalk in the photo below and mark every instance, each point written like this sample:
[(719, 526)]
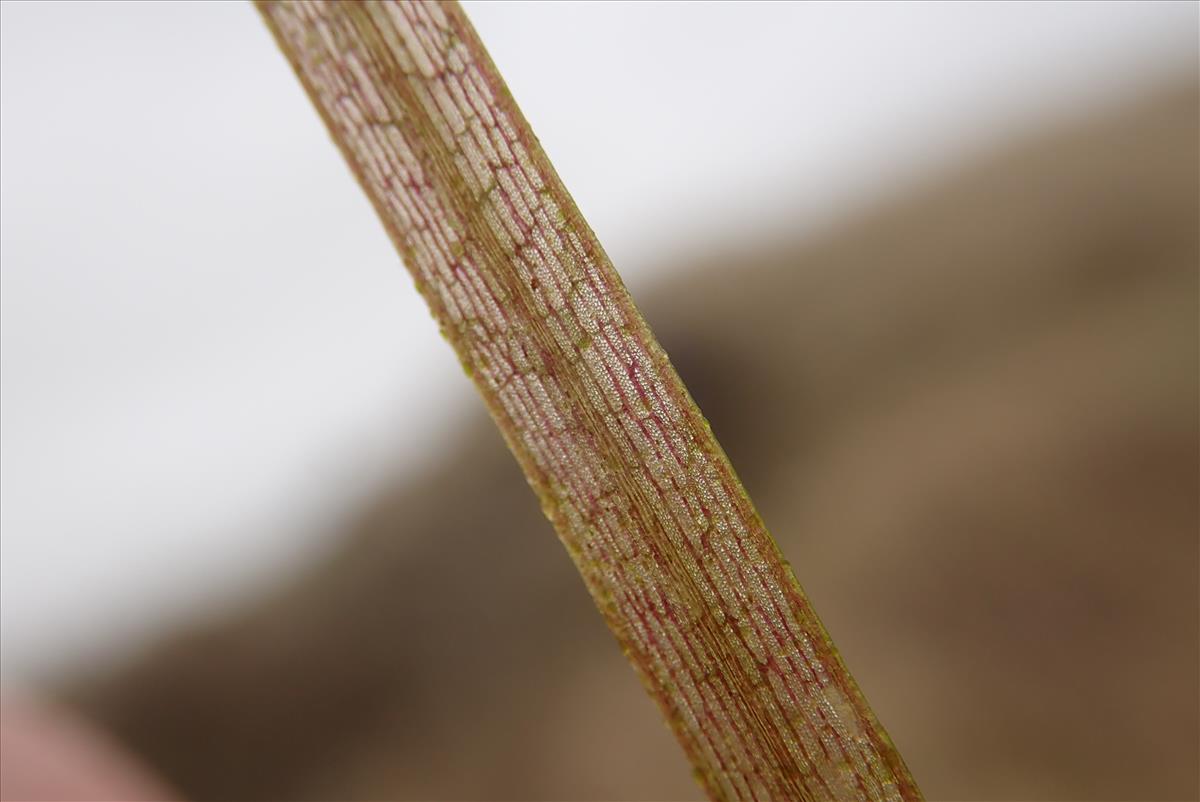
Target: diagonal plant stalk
[(627, 470)]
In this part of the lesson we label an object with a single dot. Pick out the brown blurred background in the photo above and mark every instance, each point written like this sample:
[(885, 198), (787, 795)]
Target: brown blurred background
[(970, 418), (968, 409)]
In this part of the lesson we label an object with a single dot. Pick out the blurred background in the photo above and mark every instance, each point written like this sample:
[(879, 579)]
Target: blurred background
[(930, 269)]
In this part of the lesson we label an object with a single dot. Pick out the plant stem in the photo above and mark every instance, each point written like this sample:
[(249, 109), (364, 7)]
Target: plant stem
[(626, 468)]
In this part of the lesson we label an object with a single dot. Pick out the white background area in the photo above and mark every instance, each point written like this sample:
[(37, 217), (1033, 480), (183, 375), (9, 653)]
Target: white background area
[(209, 350)]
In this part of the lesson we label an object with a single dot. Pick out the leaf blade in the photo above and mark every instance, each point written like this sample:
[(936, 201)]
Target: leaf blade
[(627, 470)]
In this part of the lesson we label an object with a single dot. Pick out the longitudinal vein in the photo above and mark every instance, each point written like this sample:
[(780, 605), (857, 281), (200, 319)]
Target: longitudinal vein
[(645, 501)]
